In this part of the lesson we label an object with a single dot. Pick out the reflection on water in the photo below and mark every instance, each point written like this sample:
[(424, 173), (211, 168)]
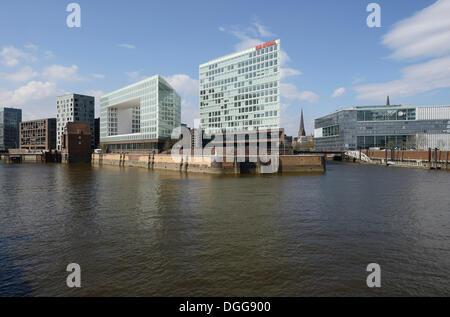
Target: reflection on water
[(144, 233)]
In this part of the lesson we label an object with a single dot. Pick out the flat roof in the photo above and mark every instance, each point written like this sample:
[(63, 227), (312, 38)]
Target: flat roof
[(157, 76), (232, 55)]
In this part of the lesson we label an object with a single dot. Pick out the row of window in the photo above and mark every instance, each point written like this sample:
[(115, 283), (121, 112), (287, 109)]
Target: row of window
[(386, 115), (330, 131)]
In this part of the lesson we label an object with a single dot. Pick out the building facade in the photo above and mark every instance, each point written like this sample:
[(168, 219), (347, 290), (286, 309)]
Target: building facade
[(10, 119), (38, 135), (139, 117), (97, 133), (400, 126), (74, 108), (241, 91), (76, 143)]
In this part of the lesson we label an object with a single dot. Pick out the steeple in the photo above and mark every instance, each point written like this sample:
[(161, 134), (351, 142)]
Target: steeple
[(302, 131), (388, 102)]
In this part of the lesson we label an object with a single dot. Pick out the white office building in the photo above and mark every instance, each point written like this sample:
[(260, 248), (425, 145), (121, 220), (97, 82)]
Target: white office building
[(241, 91), (139, 117)]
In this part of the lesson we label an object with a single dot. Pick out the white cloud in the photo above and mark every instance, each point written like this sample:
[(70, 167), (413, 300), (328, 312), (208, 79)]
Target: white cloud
[(98, 76), (290, 91), (97, 94), (187, 87), (34, 90), (262, 30), (338, 92), (48, 54), (284, 58), (23, 75), (125, 45), (135, 75), (11, 56), (289, 72), (63, 73), (425, 34), (415, 79), (249, 36), (183, 84), (189, 111), (358, 80), (31, 46), (245, 41)]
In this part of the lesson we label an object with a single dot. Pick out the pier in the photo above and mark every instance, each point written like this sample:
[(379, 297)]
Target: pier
[(209, 164)]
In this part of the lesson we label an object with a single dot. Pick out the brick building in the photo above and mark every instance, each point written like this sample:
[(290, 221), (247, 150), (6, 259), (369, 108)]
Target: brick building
[(76, 143)]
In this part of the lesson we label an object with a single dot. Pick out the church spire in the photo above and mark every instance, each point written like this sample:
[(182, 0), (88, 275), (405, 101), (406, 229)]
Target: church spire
[(301, 131), (388, 102)]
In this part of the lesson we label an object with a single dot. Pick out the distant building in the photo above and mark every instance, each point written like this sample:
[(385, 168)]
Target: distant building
[(10, 119), (38, 135), (241, 91), (76, 143), (139, 117), (97, 133), (396, 126), (74, 108)]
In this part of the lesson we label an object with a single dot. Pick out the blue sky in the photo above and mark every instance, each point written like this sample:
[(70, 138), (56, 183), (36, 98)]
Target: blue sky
[(330, 59)]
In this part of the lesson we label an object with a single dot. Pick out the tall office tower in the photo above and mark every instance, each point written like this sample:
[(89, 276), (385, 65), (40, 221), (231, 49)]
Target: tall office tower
[(139, 117), (10, 119), (74, 108), (241, 91)]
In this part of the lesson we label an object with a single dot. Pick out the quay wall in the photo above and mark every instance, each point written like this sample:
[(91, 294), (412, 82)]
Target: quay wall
[(208, 164), (431, 159)]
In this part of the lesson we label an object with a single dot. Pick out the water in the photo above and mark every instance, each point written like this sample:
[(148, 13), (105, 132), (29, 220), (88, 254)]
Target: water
[(141, 233)]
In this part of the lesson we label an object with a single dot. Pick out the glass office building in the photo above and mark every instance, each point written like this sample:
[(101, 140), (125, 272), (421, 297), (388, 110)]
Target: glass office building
[(241, 91), (10, 120), (402, 127), (139, 117)]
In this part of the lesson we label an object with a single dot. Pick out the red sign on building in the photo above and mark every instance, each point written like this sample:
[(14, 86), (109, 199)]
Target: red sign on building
[(258, 47)]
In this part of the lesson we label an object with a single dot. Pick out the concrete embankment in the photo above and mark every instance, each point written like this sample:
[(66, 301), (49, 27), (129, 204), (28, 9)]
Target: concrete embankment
[(209, 164), (431, 159)]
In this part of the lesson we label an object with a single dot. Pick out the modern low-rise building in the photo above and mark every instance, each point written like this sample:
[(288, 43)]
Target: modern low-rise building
[(10, 119), (74, 108), (241, 91), (139, 117), (396, 126), (38, 135)]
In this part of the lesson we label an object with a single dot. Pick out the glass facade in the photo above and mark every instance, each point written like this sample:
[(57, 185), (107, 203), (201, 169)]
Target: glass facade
[(241, 91), (387, 114), (147, 110), (10, 120), (379, 127)]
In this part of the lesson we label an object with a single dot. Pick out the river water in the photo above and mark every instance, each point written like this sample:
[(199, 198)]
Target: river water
[(136, 232)]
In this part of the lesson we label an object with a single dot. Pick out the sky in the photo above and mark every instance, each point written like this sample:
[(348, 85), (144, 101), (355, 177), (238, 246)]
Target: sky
[(331, 59)]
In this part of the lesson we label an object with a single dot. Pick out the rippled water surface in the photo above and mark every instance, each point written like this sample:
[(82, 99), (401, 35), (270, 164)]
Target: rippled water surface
[(139, 232)]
